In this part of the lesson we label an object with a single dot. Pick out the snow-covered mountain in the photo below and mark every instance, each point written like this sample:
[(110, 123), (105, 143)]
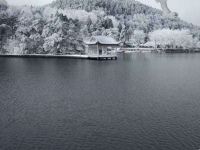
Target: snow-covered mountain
[(61, 26)]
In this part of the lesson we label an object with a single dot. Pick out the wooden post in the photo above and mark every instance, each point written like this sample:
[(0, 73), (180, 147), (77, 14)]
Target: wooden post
[(98, 49)]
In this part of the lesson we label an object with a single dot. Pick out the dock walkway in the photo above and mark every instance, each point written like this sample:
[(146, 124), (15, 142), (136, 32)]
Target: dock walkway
[(103, 57)]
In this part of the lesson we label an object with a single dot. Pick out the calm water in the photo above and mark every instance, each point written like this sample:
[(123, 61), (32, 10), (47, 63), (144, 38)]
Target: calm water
[(139, 102)]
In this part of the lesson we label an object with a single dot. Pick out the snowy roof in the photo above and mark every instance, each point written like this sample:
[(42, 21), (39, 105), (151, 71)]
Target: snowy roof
[(3, 2), (106, 40)]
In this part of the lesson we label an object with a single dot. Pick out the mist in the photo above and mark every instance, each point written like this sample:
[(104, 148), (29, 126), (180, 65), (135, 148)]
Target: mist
[(164, 6)]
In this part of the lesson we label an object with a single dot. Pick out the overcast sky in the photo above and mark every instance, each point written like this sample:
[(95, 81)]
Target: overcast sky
[(188, 10)]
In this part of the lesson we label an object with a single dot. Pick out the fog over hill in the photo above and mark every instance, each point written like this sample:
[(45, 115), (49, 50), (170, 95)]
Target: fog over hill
[(61, 27)]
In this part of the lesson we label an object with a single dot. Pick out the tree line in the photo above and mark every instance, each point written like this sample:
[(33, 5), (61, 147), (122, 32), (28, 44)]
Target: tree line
[(62, 27)]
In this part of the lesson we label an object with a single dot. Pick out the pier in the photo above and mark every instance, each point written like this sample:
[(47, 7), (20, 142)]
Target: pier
[(103, 57)]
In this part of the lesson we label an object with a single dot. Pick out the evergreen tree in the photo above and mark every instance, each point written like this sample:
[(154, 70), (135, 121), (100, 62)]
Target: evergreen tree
[(120, 27)]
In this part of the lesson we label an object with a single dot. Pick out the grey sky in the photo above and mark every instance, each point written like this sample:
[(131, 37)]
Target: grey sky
[(188, 10)]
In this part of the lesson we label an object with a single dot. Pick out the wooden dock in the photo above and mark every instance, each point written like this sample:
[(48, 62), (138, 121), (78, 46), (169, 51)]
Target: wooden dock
[(103, 57)]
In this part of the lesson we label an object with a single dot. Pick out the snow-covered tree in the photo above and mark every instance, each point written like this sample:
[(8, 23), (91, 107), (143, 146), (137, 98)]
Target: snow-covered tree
[(52, 43), (129, 33), (173, 38), (139, 36), (198, 44), (113, 32)]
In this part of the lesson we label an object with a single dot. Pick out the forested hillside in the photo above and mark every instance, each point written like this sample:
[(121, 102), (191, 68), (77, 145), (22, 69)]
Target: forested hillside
[(62, 26)]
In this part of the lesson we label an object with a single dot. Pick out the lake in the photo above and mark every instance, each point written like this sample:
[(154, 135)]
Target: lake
[(138, 102)]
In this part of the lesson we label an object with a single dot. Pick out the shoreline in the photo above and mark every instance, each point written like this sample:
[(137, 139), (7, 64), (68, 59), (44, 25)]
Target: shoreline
[(74, 56), (79, 56), (45, 56), (166, 50)]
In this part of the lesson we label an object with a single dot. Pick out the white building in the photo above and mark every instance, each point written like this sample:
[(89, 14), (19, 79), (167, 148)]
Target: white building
[(104, 47)]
